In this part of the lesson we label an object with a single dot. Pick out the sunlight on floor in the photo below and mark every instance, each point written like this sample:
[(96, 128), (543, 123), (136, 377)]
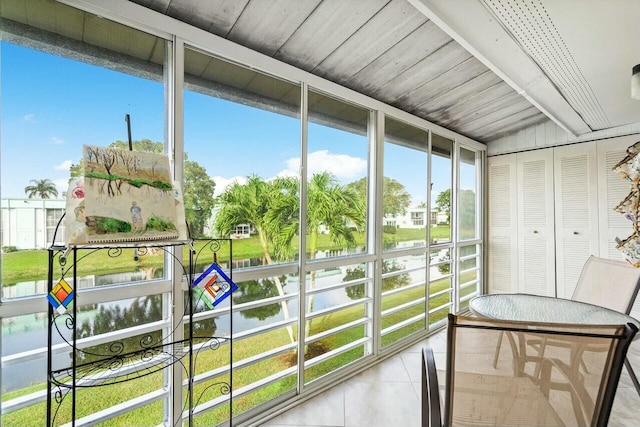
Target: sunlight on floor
[(388, 395)]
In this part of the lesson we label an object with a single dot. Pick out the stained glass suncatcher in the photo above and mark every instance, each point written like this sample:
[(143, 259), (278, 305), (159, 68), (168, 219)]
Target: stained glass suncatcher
[(213, 286), (61, 296)]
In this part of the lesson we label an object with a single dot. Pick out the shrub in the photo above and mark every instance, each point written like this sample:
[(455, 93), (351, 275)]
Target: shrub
[(445, 268), (391, 229), (7, 249)]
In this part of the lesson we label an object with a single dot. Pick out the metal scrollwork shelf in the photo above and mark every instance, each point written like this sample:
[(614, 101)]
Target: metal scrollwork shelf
[(113, 361)]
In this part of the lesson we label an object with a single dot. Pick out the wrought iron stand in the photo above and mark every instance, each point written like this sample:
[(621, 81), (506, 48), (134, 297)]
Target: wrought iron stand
[(126, 361)]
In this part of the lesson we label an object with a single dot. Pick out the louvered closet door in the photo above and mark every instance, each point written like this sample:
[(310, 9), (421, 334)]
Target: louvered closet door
[(503, 224), (536, 248), (576, 212)]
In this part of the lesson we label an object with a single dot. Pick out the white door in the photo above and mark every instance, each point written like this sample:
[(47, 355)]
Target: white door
[(576, 212), (503, 225), (536, 247)]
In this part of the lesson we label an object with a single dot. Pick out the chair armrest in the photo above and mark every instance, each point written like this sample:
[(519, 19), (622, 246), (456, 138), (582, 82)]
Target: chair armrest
[(581, 400), (431, 415)]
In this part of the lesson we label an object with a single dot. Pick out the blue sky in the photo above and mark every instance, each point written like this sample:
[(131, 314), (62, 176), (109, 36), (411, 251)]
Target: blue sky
[(50, 106)]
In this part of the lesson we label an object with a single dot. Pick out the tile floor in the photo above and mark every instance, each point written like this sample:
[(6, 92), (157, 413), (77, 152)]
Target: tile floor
[(388, 395)]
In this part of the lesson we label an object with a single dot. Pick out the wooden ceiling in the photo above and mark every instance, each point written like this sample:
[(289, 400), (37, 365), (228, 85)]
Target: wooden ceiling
[(384, 49)]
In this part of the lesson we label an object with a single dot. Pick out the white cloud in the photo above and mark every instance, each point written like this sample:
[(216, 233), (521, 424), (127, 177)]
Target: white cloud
[(222, 183), (29, 118), (293, 168), (62, 185), (64, 166), (57, 140), (342, 166)]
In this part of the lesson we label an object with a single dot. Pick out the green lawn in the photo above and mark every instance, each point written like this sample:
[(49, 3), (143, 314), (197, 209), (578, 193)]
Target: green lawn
[(29, 265)]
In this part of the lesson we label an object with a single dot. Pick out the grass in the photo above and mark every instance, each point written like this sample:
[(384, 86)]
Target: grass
[(98, 398), (27, 265)]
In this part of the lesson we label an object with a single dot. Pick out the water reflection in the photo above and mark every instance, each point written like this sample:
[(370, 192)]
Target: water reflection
[(393, 282), (39, 287), (254, 290)]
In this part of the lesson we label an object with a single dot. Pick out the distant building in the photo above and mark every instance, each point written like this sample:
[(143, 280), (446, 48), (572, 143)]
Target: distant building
[(243, 231), (439, 217), (416, 218), (31, 223)]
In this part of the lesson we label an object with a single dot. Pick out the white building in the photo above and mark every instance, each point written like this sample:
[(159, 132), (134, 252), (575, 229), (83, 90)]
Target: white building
[(243, 231), (31, 223), (416, 218)]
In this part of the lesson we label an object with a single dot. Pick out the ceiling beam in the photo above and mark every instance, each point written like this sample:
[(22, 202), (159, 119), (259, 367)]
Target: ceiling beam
[(477, 30)]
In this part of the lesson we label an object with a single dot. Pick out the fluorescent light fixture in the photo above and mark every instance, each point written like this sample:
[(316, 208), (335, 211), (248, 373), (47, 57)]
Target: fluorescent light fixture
[(635, 82)]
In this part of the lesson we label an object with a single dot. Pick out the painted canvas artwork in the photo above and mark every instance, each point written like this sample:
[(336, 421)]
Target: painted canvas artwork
[(125, 196)]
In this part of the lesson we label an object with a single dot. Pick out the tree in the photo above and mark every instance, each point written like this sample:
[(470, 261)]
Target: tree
[(41, 188), (198, 196), (443, 203), (446, 267), (250, 203), (340, 209), (76, 169), (395, 200)]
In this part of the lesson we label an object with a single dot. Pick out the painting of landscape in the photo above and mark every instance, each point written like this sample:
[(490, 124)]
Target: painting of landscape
[(128, 196)]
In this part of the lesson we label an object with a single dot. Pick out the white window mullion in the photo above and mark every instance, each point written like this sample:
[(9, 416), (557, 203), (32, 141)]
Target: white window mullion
[(174, 143), (454, 225), (302, 255), (427, 273), (375, 237)]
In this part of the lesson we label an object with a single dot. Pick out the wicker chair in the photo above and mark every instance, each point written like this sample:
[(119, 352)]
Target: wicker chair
[(477, 394)]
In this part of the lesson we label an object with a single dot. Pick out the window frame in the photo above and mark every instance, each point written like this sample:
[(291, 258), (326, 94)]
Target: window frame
[(176, 34)]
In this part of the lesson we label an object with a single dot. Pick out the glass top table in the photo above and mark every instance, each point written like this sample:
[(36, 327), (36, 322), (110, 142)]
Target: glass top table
[(535, 308)]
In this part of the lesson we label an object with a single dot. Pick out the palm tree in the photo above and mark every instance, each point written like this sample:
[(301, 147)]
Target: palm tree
[(248, 204), (42, 188), (340, 209)]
